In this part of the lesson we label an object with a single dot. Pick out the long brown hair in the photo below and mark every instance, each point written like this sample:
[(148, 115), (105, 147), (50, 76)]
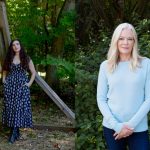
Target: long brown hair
[(24, 59)]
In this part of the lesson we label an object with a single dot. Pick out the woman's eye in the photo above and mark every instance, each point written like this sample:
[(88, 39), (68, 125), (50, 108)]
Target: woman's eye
[(130, 39)]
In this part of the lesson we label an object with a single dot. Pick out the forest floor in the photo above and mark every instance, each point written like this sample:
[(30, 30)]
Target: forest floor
[(38, 140), (33, 139)]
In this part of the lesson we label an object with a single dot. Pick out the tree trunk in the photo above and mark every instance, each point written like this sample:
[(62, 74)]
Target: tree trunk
[(57, 46), (51, 75)]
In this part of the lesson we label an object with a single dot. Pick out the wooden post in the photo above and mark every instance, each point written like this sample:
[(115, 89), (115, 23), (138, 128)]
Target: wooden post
[(48, 90), (4, 31)]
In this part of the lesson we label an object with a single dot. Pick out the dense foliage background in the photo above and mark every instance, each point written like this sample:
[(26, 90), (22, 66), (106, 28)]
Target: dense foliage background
[(95, 23)]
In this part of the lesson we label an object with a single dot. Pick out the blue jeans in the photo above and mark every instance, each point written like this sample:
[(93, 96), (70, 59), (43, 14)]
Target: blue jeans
[(136, 141)]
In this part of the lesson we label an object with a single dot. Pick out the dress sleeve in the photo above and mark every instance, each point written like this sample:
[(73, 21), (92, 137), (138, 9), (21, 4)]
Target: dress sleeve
[(102, 90), (145, 107)]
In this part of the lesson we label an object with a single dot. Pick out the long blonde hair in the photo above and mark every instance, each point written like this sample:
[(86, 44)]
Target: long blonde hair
[(113, 53)]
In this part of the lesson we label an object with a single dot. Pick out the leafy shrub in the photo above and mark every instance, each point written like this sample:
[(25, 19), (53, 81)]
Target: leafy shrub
[(88, 117)]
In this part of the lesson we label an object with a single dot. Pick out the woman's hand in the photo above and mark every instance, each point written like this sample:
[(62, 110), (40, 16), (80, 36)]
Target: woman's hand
[(4, 77), (27, 84), (125, 131), (4, 81)]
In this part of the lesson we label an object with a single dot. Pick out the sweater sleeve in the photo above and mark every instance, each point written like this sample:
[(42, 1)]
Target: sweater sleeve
[(145, 107), (102, 90)]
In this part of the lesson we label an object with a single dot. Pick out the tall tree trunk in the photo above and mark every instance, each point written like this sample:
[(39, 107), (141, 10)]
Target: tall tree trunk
[(51, 75), (57, 46)]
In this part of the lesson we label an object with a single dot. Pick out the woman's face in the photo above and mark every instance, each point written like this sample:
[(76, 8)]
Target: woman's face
[(125, 42), (16, 46)]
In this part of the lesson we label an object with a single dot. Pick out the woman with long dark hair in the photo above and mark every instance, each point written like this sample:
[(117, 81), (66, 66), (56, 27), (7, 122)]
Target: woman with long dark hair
[(17, 107)]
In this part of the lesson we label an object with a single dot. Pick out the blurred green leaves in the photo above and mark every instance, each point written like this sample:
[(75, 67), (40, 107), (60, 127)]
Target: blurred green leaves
[(65, 69)]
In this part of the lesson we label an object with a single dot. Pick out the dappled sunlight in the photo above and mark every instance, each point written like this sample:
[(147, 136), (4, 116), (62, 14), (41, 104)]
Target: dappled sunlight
[(42, 74)]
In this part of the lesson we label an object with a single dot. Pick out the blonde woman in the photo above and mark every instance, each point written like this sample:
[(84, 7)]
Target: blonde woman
[(123, 92)]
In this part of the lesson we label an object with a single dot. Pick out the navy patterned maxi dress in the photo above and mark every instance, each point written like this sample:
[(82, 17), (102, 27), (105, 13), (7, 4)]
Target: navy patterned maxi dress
[(17, 106)]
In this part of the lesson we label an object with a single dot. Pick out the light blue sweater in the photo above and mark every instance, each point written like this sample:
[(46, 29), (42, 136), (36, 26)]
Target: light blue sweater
[(123, 96)]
